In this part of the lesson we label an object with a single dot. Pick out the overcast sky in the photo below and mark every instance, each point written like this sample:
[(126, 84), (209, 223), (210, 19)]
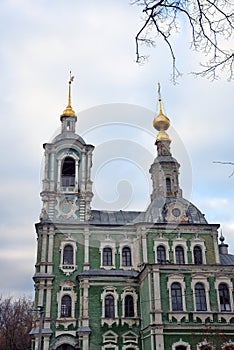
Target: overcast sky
[(115, 100)]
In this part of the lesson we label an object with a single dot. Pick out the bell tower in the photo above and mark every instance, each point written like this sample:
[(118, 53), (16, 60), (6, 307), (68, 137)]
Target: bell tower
[(165, 169), (67, 186)]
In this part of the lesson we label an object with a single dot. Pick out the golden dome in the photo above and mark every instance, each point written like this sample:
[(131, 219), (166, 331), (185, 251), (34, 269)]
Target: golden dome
[(69, 111), (161, 122)]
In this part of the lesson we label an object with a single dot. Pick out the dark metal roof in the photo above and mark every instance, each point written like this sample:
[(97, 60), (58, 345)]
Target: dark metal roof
[(104, 217), (226, 259), (156, 211), (69, 135), (109, 273)]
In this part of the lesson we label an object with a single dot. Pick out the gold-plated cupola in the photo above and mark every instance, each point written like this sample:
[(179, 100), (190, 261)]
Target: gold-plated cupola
[(69, 111), (161, 122)]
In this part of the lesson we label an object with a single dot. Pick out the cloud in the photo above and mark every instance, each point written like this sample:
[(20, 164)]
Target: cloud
[(42, 41)]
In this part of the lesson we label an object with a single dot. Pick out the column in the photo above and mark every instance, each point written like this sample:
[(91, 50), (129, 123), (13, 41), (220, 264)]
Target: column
[(43, 248), (86, 248), (144, 245), (50, 250)]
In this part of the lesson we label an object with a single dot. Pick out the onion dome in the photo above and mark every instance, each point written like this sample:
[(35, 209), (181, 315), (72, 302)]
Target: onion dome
[(161, 122)]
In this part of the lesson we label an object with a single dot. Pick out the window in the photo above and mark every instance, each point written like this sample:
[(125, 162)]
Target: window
[(200, 297), (168, 185), (68, 172), (197, 253), (66, 306), (109, 298), (126, 257), (68, 255), (109, 306), (176, 297), (107, 256), (128, 306), (224, 298), (179, 252), (161, 254), (181, 345)]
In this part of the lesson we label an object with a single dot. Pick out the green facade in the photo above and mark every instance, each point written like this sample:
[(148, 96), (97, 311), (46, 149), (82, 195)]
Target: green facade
[(111, 280)]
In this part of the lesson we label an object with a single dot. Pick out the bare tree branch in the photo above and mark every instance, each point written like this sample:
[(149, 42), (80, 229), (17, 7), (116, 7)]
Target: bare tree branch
[(227, 163), (210, 23)]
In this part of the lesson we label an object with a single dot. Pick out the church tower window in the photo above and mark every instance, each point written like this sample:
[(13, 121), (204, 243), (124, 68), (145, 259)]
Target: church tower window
[(126, 257), (224, 297), (68, 172), (200, 296), (107, 256), (197, 253), (68, 255), (66, 306), (176, 297), (168, 186), (161, 254), (179, 252)]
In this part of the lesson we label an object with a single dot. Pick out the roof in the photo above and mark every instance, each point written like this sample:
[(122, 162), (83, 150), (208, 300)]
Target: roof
[(226, 259), (109, 273), (159, 207), (104, 217), (69, 135), (155, 213)]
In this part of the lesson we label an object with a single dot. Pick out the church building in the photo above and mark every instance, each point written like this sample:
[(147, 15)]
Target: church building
[(160, 279)]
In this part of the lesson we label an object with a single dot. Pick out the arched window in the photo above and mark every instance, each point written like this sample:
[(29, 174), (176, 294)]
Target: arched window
[(206, 347), (107, 257), (179, 252), (176, 297), (224, 297), (66, 306), (181, 347), (68, 255), (168, 185), (197, 253), (109, 306), (200, 297), (126, 257), (68, 172), (128, 306), (161, 254)]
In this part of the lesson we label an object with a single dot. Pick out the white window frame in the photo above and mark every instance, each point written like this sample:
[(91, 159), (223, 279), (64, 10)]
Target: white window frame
[(201, 279), (68, 269), (108, 243), (60, 159), (126, 243), (110, 346), (228, 282), (181, 342), (200, 243), (177, 278), (110, 337), (205, 342), (183, 243), (66, 288), (129, 320), (163, 242), (110, 291), (129, 338)]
